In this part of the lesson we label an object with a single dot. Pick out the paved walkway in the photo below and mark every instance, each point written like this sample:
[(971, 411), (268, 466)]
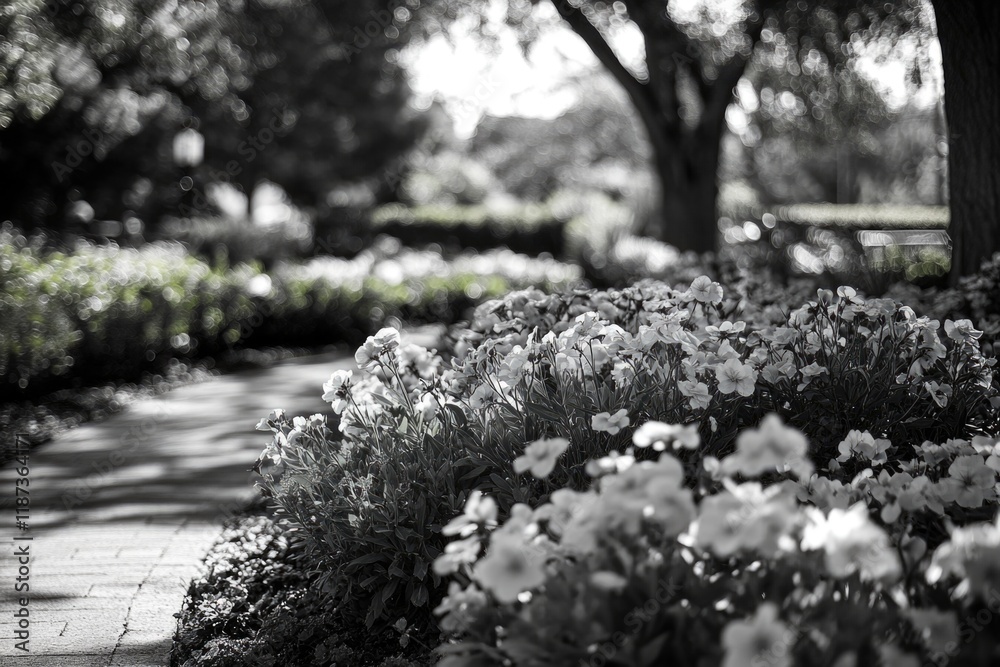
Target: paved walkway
[(122, 513)]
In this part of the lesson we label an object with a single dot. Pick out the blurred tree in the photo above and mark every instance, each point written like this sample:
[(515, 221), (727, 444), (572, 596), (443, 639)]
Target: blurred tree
[(327, 104), (534, 157), (92, 94), (695, 54), (970, 48), (811, 120), (89, 93)]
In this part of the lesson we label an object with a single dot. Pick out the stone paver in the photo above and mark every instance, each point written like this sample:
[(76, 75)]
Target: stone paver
[(122, 513)]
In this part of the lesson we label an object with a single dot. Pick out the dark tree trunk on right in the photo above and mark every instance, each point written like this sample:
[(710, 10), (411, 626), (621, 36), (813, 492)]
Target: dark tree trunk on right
[(971, 58)]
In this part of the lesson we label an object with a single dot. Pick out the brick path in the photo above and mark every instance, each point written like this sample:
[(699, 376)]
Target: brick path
[(122, 513)]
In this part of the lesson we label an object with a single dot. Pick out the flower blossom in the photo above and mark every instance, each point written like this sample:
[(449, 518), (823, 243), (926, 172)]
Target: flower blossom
[(337, 390), (704, 290), (540, 457), (763, 639), (771, 446), (479, 511), (658, 434), (865, 445), (382, 343), (509, 568), (972, 553), (610, 423), (961, 330), (460, 607), (852, 543), (970, 481), (736, 377), (697, 392)]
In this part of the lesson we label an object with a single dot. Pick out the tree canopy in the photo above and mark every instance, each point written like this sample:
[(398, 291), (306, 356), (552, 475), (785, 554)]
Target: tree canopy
[(92, 94)]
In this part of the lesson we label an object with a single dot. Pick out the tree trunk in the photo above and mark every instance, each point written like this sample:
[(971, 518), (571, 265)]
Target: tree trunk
[(688, 192), (971, 59)]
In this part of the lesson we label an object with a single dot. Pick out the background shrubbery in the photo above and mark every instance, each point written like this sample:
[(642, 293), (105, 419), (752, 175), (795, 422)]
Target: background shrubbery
[(109, 312)]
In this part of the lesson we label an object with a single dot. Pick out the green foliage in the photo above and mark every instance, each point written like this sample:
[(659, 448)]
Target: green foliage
[(253, 607)]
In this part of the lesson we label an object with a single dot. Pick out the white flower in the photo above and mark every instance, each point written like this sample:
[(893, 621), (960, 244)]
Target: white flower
[(509, 569), (720, 524), (852, 543), (973, 553), (863, 443), (736, 377), (426, 407), (337, 390), (961, 330), (540, 457), (382, 343), (809, 372), (772, 446), (610, 423), (479, 511), (940, 393), (747, 517), (697, 392), (762, 640), (459, 607), (658, 435), (704, 290)]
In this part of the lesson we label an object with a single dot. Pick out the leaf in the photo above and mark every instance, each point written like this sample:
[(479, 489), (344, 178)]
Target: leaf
[(649, 653), (388, 590), (420, 596), (457, 414), (367, 559)]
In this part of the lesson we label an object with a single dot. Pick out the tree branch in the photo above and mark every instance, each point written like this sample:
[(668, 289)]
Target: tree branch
[(637, 91), (716, 94)]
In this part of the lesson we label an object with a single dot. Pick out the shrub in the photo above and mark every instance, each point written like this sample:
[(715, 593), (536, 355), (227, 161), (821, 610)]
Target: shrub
[(531, 229), (254, 607), (234, 241), (977, 298), (108, 312)]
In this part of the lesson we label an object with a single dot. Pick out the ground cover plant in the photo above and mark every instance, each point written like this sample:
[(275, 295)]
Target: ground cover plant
[(253, 607), (805, 435)]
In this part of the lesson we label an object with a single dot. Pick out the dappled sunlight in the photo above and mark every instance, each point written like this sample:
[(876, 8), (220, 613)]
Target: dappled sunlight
[(506, 333)]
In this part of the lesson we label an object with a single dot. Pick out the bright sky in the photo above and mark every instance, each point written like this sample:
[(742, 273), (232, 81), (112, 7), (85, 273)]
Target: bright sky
[(472, 81)]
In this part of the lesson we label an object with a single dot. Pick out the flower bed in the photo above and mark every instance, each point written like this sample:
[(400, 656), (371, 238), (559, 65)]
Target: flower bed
[(104, 312), (629, 476)]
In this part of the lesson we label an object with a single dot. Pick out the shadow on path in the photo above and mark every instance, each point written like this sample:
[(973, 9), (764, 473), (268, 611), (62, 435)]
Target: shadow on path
[(122, 512)]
